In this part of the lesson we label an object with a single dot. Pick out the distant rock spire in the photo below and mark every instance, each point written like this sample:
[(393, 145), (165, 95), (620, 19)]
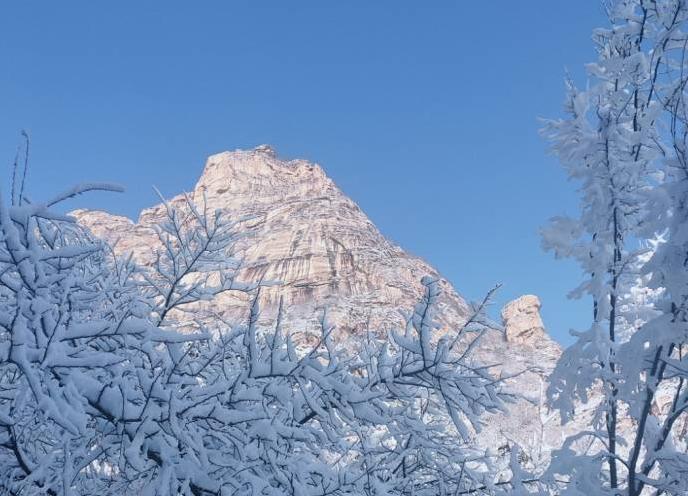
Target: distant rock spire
[(522, 321)]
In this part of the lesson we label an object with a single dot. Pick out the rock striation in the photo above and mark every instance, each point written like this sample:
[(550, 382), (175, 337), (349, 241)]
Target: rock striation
[(299, 229)]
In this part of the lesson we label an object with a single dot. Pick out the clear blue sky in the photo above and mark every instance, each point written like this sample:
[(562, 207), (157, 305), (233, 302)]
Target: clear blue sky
[(425, 113)]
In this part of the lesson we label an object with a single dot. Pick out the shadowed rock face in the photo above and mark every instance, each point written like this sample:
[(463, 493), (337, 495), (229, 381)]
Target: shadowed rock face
[(302, 231)]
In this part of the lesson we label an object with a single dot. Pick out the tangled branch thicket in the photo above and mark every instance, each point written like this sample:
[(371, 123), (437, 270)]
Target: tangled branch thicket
[(100, 393)]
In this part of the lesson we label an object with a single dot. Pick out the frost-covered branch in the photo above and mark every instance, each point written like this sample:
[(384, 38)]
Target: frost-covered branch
[(624, 141), (103, 390)]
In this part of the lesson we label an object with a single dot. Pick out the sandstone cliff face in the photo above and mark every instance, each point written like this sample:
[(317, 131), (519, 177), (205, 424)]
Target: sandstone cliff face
[(302, 231)]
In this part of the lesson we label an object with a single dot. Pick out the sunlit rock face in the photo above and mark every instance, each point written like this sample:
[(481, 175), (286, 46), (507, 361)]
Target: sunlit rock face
[(301, 231)]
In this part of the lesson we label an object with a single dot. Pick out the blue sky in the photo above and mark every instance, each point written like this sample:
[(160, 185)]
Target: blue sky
[(425, 113)]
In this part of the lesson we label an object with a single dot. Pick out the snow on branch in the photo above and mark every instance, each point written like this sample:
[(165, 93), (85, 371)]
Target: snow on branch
[(105, 390)]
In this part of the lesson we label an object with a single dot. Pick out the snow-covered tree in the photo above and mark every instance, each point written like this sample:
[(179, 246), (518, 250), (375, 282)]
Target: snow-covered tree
[(109, 386), (620, 141)]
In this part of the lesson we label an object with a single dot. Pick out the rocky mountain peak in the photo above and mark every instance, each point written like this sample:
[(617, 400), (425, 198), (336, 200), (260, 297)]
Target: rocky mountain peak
[(323, 250), (251, 176)]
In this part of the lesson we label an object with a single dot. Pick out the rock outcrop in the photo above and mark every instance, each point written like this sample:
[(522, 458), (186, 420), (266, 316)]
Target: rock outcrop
[(522, 321), (302, 231)]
